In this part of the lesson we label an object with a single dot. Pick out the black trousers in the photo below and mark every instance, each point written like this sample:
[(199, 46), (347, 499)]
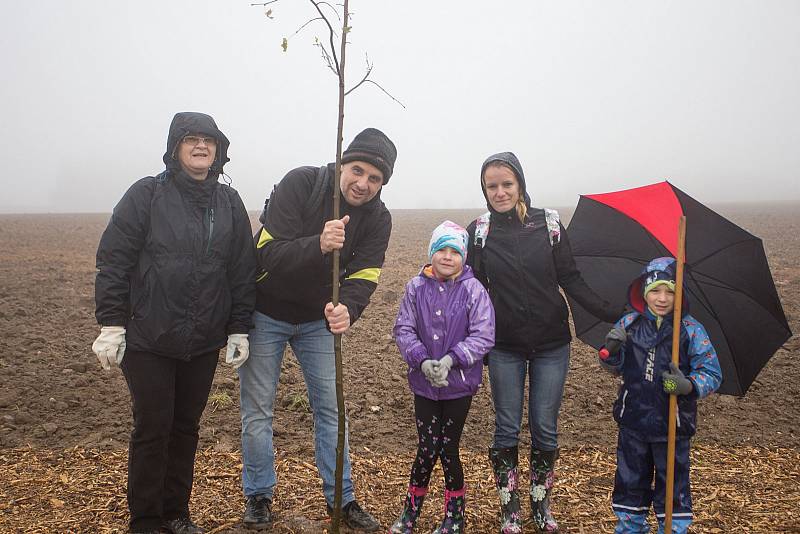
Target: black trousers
[(168, 397), (439, 427)]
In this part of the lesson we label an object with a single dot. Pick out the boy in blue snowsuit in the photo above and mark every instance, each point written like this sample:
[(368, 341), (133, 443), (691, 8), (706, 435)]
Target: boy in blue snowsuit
[(640, 347)]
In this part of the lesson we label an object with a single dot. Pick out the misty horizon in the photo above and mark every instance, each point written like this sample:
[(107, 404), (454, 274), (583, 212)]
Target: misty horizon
[(592, 97)]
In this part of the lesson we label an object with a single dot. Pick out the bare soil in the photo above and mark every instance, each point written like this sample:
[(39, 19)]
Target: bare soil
[(55, 396)]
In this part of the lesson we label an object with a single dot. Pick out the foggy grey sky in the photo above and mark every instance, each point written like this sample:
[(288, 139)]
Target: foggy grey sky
[(592, 96)]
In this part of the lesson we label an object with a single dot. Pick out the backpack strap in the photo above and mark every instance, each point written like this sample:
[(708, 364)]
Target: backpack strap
[(158, 180), (482, 230), (314, 200), (263, 217), (481, 233), (317, 195), (553, 226)]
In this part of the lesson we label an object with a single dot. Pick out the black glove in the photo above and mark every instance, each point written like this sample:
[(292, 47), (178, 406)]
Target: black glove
[(614, 340), (674, 381)]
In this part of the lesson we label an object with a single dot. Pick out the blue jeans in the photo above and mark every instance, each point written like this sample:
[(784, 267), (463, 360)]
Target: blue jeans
[(547, 371), (312, 343)]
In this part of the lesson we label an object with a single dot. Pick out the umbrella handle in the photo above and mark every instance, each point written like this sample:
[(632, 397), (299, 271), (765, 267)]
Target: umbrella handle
[(611, 347)]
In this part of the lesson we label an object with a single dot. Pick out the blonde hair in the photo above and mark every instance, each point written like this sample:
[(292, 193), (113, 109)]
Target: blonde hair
[(522, 209)]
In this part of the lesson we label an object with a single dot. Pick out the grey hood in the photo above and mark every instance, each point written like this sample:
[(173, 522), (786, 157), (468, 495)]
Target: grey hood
[(511, 160)]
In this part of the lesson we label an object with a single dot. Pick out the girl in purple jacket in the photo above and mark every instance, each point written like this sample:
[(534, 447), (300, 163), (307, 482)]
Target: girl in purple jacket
[(444, 328)]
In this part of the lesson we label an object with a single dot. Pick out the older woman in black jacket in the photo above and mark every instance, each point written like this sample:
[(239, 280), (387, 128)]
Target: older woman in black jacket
[(175, 283)]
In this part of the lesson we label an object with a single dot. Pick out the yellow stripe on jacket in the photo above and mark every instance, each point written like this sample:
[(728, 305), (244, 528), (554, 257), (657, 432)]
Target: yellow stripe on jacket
[(371, 274), (264, 238)]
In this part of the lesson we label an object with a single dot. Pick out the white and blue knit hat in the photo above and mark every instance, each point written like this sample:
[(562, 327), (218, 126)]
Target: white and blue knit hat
[(449, 234)]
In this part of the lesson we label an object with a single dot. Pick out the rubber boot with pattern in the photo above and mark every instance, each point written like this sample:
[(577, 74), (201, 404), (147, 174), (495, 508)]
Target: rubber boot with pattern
[(630, 523), (408, 517), (506, 477), (542, 479), (453, 522)]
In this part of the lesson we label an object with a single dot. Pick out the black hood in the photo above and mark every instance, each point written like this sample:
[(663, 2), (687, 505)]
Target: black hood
[(190, 122), (511, 160)]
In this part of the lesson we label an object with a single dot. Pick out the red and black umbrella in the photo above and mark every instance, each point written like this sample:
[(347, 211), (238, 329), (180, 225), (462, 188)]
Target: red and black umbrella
[(727, 281)]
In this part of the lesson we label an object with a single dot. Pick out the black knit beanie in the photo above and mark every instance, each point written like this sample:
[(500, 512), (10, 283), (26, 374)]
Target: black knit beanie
[(372, 146)]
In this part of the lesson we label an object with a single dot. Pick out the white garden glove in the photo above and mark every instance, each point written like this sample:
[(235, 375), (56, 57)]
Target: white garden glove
[(441, 370), (109, 347), (428, 367), (238, 350)]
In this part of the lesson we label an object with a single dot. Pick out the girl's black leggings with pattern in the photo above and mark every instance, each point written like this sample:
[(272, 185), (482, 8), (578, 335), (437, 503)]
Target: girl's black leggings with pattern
[(439, 427)]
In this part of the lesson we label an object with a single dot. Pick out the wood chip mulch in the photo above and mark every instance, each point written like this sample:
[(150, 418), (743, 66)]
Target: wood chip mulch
[(745, 490)]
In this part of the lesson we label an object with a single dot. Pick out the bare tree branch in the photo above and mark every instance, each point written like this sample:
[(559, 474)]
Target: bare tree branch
[(330, 35), (330, 58), (304, 25), (326, 56), (387, 93), (365, 79), (335, 11)]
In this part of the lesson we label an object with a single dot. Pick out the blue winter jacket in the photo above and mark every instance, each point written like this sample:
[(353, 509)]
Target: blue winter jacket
[(642, 404), (437, 318)]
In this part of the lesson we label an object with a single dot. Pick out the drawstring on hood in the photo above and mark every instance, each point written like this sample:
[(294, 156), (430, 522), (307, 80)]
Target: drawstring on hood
[(191, 122), (507, 158)]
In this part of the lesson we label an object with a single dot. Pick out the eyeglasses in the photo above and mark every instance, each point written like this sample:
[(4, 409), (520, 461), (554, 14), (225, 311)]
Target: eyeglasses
[(195, 140)]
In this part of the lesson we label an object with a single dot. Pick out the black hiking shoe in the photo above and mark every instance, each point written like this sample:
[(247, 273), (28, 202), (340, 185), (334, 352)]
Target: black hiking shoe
[(182, 525), (355, 518), (257, 512)]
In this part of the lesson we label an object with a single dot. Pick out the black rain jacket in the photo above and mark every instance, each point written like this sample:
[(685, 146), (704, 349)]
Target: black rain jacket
[(295, 282), (523, 272), (176, 264)]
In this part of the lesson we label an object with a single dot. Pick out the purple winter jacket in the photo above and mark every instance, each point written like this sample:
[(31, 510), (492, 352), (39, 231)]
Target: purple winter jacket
[(436, 318)]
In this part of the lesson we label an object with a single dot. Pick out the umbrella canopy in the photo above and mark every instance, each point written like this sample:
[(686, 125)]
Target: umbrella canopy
[(727, 282)]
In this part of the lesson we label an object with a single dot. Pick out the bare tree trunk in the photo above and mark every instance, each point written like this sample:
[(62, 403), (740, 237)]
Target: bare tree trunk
[(337, 338), (336, 65)]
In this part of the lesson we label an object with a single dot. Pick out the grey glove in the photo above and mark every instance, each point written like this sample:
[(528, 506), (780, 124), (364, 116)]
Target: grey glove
[(238, 350), (614, 340), (674, 381), (428, 368), (442, 369), (109, 347)]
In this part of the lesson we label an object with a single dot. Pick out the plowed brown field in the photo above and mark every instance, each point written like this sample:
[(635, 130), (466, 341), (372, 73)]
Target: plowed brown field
[(54, 396)]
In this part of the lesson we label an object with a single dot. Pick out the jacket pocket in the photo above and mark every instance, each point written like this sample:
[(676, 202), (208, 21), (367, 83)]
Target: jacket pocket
[(141, 294)]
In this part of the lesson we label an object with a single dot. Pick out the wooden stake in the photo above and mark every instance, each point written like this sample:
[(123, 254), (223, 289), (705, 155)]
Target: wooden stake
[(673, 399)]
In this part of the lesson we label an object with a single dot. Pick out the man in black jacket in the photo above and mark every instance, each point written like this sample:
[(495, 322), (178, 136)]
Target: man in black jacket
[(293, 306)]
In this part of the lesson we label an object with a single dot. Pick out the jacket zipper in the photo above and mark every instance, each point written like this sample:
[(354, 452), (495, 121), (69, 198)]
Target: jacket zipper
[(210, 229)]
